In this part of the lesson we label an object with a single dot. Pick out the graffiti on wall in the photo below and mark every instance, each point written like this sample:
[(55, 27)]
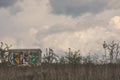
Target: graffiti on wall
[(18, 58)]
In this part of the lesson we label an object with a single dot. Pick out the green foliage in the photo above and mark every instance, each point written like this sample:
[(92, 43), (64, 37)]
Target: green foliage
[(73, 57)]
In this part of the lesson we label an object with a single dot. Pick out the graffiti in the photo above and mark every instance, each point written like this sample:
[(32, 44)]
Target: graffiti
[(18, 58)]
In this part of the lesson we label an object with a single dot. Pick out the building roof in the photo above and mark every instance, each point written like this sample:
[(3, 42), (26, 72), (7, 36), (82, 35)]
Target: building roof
[(25, 50)]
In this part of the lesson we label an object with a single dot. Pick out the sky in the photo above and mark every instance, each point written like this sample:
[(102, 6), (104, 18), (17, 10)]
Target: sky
[(60, 24)]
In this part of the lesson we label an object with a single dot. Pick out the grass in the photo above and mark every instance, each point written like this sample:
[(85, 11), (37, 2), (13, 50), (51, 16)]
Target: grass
[(61, 72)]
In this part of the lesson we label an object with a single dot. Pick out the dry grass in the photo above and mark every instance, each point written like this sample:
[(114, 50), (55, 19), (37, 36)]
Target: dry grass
[(61, 72)]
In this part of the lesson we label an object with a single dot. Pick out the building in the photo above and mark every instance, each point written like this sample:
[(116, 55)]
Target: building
[(24, 56)]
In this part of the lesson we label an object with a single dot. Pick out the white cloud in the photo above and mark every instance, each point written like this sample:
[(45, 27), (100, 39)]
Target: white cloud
[(34, 26), (86, 41), (115, 22), (77, 7)]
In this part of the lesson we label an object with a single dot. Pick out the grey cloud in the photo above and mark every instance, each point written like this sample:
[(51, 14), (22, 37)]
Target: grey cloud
[(59, 28), (77, 7), (55, 29), (86, 23), (82, 24), (114, 4), (10, 5), (7, 3), (10, 31), (8, 27), (14, 10)]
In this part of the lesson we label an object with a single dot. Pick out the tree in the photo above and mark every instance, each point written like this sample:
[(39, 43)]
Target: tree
[(105, 48), (63, 60), (113, 49), (73, 57), (50, 56), (87, 59), (4, 51), (117, 51)]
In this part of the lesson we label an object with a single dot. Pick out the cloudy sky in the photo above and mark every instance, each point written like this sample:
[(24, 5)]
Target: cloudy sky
[(59, 24)]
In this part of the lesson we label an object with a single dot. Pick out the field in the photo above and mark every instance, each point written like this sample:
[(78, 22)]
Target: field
[(61, 72)]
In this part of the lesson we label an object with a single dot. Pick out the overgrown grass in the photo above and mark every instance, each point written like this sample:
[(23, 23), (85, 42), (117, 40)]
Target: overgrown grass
[(61, 72)]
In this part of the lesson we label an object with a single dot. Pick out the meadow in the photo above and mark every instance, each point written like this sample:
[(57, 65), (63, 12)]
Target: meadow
[(61, 72)]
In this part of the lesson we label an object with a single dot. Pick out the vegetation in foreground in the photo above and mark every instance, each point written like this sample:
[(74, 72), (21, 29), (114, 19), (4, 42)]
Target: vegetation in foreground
[(61, 72), (72, 66)]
